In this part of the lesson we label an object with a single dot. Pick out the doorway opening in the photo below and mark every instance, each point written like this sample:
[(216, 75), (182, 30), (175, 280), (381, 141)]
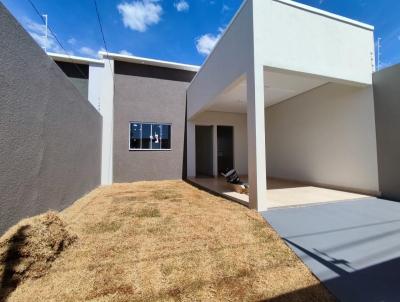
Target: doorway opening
[(204, 151), (225, 148)]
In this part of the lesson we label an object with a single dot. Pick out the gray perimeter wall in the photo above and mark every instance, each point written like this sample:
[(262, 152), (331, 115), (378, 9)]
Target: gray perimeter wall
[(149, 94), (50, 136), (387, 111)]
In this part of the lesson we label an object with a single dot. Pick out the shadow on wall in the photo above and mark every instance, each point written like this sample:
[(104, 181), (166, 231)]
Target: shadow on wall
[(10, 279)]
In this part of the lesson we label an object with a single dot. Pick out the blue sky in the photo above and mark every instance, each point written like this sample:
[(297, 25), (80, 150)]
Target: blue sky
[(176, 30)]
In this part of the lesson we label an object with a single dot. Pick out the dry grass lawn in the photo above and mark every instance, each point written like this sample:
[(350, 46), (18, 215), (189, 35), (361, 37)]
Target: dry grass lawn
[(168, 241)]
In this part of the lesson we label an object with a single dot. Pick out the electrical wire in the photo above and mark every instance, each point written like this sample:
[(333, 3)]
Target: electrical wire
[(102, 32), (55, 37)]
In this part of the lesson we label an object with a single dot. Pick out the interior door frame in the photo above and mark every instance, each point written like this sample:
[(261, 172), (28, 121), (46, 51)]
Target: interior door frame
[(233, 145), (213, 140)]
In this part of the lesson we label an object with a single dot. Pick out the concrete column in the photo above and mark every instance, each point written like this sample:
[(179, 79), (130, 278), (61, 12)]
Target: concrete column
[(215, 151), (191, 149), (256, 140), (107, 112)]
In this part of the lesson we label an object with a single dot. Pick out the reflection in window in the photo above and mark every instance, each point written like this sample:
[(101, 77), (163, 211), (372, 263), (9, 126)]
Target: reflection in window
[(150, 136), (146, 134), (136, 134), (156, 136), (166, 137)]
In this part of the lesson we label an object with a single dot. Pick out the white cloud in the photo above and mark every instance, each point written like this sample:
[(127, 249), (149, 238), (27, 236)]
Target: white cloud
[(71, 41), (90, 52), (139, 15), (181, 6), (206, 43), (225, 8), (125, 52), (87, 51), (38, 33)]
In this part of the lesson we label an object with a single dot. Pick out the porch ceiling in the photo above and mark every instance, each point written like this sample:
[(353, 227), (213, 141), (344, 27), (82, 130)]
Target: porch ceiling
[(279, 86)]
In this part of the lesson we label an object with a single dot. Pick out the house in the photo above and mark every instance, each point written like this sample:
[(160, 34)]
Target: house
[(287, 93)]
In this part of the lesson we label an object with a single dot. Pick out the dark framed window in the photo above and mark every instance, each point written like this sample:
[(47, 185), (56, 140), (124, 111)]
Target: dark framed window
[(149, 136)]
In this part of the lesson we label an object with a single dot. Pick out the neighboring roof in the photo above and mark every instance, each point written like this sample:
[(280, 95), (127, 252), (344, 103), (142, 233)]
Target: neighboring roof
[(124, 58), (147, 61), (74, 59)]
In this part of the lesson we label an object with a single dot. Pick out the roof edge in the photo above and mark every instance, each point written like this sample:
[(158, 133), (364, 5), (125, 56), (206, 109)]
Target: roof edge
[(324, 13), (74, 59), (148, 61)]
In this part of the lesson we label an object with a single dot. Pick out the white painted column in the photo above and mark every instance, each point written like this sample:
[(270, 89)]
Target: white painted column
[(256, 139), (107, 112), (96, 72)]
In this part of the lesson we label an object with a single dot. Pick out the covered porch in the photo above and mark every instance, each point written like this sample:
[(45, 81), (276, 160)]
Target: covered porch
[(280, 193)]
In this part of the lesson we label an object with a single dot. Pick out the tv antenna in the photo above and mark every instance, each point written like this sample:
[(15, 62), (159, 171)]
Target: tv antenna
[(379, 46)]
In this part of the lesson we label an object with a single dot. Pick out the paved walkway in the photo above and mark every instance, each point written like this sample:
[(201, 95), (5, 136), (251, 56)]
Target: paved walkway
[(352, 246)]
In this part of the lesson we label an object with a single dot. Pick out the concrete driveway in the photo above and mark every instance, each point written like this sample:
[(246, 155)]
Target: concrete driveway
[(352, 246)]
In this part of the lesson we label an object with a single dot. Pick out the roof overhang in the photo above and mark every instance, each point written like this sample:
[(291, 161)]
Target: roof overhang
[(74, 59), (297, 46), (147, 61)]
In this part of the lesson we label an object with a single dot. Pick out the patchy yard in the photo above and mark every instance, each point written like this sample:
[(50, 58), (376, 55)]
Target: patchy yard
[(169, 241)]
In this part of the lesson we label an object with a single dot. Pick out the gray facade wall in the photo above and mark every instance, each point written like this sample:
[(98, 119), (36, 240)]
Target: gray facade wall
[(387, 118), (149, 94), (50, 136)]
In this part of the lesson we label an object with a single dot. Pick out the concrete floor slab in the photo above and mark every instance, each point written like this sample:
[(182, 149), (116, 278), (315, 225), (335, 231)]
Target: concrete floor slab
[(280, 193), (352, 246)]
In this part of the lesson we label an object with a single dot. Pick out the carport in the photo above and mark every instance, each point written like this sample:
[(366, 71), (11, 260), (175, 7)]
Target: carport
[(298, 100)]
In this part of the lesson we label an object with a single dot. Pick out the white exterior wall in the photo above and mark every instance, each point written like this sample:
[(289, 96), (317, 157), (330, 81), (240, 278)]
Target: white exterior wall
[(231, 58), (106, 89), (212, 118), (325, 136), (95, 81), (292, 36)]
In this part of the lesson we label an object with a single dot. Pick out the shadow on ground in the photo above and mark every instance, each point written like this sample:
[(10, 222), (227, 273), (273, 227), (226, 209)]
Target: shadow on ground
[(10, 278), (375, 283), (301, 295)]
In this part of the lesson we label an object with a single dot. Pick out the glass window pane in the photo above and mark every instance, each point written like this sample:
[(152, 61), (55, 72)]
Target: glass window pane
[(146, 136), (166, 137), (156, 133), (136, 133)]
